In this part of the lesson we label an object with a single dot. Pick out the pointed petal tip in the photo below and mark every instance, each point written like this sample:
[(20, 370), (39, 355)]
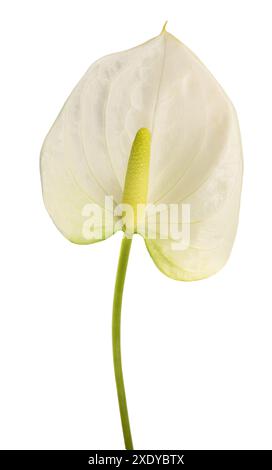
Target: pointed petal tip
[(164, 27)]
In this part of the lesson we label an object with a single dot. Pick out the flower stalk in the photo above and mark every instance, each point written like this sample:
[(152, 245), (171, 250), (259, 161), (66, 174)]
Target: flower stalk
[(116, 339)]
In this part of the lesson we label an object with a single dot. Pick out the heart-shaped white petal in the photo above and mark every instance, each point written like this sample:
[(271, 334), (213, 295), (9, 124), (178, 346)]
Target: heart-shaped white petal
[(196, 155)]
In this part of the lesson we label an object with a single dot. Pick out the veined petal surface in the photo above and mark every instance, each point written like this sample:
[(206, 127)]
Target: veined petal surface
[(84, 156)]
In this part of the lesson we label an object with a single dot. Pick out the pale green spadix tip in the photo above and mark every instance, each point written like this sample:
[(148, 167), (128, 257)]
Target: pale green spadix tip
[(136, 181)]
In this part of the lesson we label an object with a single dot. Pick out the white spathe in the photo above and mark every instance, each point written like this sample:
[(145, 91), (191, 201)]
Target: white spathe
[(196, 155)]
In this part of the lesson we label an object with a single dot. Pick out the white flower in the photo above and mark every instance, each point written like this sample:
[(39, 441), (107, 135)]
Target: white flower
[(195, 155)]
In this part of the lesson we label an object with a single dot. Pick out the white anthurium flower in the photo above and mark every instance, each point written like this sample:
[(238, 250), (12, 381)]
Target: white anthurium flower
[(195, 159), (149, 126)]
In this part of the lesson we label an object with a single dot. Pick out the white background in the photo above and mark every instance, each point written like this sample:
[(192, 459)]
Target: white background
[(197, 356)]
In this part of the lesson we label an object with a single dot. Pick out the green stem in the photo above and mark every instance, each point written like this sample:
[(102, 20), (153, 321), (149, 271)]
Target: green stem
[(116, 339)]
